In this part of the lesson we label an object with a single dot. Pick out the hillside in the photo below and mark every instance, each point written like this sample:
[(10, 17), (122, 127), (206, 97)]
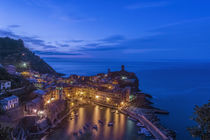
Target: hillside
[(14, 52), (17, 81)]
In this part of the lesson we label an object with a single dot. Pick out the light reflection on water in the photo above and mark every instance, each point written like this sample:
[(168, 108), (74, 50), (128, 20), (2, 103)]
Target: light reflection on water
[(122, 129)]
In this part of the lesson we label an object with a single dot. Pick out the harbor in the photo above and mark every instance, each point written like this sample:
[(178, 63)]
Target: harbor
[(99, 123)]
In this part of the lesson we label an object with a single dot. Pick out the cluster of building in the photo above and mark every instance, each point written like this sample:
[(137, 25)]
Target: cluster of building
[(40, 81), (10, 102), (112, 88)]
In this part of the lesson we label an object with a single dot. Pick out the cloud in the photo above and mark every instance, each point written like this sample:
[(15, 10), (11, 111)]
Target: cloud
[(74, 41), (113, 39), (14, 26), (146, 5), (100, 49), (74, 18), (40, 47), (93, 45), (145, 50), (55, 53), (182, 22), (27, 39), (115, 44)]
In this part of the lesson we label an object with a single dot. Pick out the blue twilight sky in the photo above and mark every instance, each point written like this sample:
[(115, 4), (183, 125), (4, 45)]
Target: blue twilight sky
[(110, 29)]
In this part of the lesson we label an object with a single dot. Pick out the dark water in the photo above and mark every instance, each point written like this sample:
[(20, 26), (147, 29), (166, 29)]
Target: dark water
[(175, 86), (123, 128)]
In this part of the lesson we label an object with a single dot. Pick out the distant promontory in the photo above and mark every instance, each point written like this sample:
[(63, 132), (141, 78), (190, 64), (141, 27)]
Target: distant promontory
[(13, 52)]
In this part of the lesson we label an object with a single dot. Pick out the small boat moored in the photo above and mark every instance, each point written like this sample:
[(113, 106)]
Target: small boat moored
[(87, 125), (84, 127), (75, 133), (139, 124), (100, 121), (110, 124), (144, 131), (113, 111), (95, 127), (80, 131)]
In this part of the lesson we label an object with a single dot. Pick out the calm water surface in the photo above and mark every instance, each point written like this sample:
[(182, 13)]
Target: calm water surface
[(175, 86), (123, 128)]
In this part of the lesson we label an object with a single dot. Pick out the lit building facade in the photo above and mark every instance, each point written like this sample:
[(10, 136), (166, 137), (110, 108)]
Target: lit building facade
[(9, 102)]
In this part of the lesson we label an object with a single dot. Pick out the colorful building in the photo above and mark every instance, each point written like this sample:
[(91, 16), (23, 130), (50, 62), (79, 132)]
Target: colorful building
[(9, 102)]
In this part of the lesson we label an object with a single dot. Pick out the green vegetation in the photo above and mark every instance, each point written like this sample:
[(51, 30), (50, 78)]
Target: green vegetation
[(13, 52), (202, 118)]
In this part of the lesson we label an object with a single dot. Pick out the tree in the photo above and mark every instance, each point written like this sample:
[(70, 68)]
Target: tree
[(202, 118)]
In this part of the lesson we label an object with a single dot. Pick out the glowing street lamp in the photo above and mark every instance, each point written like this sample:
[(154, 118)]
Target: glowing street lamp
[(48, 101), (97, 97), (34, 110), (107, 99), (24, 64), (122, 103)]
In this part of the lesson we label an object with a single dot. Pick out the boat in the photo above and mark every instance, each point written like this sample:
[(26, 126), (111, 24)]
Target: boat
[(95, 127), (87, 125), (100, 121), (110, 124), (139, 124), (148, 134), (145, 132), (75, 133), (84, 127), (113, 111), (132, 119), (140, 132), (80, 131)]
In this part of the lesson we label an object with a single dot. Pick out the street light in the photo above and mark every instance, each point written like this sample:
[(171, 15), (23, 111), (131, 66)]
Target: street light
[(107, 99), (48, 101), (34, 110), (97, 96), (24, 64)]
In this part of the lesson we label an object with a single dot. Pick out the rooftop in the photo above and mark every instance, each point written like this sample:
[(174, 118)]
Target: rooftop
[(40, 92), (3, 81), (10, 98)]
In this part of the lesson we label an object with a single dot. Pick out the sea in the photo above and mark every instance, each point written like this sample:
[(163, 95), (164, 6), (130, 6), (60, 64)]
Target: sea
[(176, 86)]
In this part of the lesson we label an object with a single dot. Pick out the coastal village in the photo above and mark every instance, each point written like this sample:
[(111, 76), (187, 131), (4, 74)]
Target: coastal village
[(53, 98), (35, 99)]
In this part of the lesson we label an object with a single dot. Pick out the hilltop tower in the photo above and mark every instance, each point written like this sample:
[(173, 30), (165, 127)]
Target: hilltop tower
[(122, 68), (109, 70)]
